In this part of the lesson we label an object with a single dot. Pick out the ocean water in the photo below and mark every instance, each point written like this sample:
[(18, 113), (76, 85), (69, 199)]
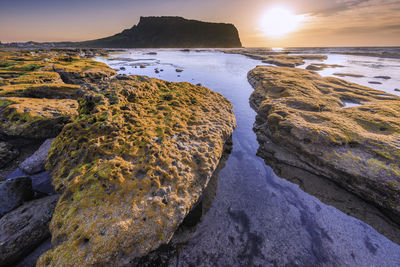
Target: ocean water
[(369, 67), (256, 217)]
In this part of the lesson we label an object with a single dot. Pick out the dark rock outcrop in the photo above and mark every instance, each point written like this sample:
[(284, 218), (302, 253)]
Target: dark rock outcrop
[(13, 193), (171, 32), (7, 153), (23, 229)]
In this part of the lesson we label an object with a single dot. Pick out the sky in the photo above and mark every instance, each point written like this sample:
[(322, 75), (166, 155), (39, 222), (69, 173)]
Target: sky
[(318, 22)]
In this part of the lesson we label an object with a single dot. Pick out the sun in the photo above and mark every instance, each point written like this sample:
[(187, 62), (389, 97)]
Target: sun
[(279, 21)]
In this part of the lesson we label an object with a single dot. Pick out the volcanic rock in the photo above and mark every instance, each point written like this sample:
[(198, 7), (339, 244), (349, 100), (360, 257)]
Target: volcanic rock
[(37, 161), (13, 193), (357, 147), (131, 167), (171, 32), (23, 229), (7, 153)]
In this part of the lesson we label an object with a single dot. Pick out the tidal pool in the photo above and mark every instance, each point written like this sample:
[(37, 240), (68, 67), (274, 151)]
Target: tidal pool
[(256, 217)]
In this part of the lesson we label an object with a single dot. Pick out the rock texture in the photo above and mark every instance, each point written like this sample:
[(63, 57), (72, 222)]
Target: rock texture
[(25, 228), (35, 118), (171, 32), (36, 163), (30, 78), (38, 92), (131, 167), (357, 147), (7, 153), (13, 193)]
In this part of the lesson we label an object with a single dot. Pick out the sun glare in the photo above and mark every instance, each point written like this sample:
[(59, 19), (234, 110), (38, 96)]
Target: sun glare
[(279, 21)]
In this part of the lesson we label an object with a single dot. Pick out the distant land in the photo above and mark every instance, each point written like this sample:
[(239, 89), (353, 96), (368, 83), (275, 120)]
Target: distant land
[(159, 32)]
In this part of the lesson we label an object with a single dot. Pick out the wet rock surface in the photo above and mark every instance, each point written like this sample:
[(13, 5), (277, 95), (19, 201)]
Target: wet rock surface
[(356, 147), (23, 229), (13, 193)]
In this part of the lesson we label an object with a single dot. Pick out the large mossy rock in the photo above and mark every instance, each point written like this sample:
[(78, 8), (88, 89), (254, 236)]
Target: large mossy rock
[(310, 125), (131, 167), (35, 118)]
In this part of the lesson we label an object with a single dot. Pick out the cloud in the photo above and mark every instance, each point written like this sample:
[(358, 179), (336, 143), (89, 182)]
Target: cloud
[(334, 7)]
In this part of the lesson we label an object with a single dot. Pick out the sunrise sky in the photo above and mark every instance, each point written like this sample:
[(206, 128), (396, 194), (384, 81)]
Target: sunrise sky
[(317, 22)]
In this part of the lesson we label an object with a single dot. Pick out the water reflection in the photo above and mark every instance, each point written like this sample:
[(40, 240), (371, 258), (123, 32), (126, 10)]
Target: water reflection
[(332, 194)]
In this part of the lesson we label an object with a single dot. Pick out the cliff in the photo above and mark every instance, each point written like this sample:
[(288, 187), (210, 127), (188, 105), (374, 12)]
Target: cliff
[(171, 32)]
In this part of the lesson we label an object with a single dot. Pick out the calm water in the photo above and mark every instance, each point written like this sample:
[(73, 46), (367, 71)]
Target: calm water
[(369, 67), (256, 217)]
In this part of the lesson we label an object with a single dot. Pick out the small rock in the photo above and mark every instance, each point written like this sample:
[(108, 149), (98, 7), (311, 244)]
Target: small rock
[(7, 153), (199, 84), (161, 70), (122, 68), (25, 228), (13, 193), (142, 66), (151, 53), (373, 82), (36, 162), (179, 70), (382, 77), (397, 90), (156, 71)]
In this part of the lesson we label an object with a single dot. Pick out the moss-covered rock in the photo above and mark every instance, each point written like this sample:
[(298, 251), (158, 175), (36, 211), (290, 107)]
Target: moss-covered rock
[(306, 116), (131, 167), (31, 81), (41, 90), (35, 118)]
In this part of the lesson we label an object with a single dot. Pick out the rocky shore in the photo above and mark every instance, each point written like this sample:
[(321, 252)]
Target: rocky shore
[(332, 128), (130, 159), (276, 58)]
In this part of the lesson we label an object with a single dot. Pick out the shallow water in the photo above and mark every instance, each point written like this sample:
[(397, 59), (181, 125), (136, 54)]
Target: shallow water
[(256, 217), (369, 67)]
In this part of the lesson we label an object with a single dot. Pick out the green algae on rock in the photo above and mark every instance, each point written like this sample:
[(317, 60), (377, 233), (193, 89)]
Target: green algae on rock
[(131, 167), (35, 118), (35, 102), (304, 114)]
